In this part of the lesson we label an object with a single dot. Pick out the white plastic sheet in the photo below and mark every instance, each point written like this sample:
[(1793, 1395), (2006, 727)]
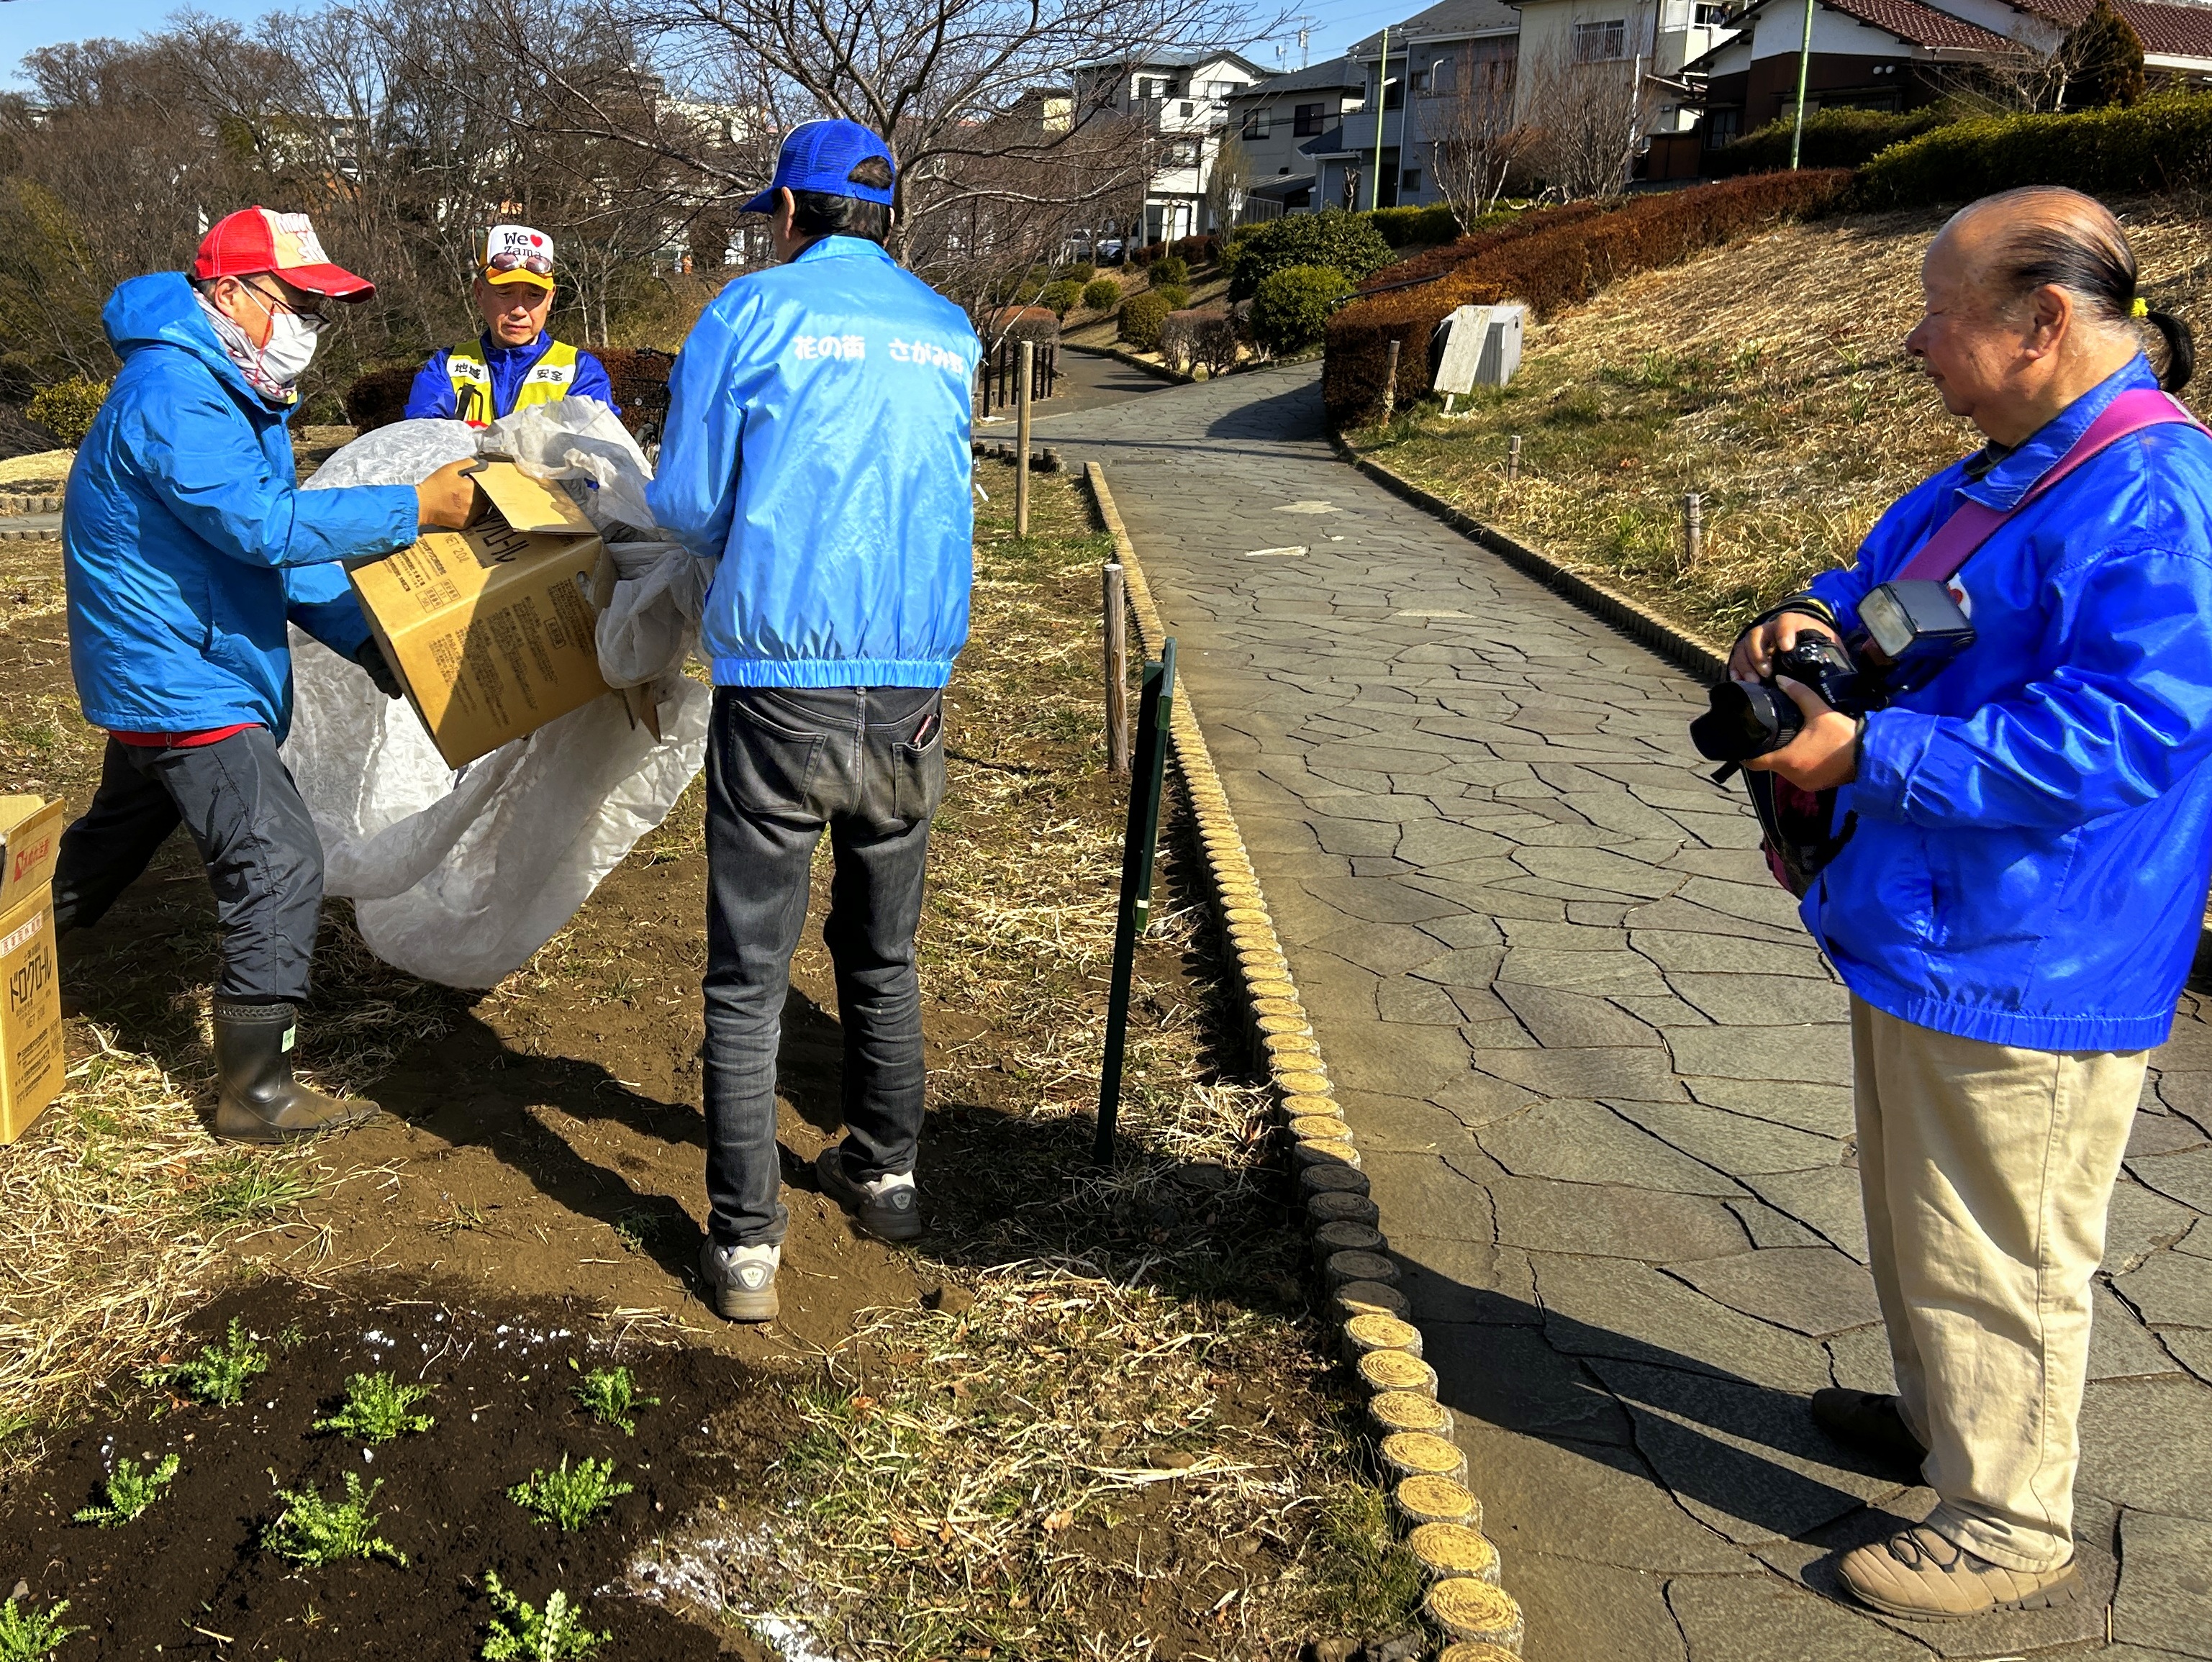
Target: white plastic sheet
[(460, 877)]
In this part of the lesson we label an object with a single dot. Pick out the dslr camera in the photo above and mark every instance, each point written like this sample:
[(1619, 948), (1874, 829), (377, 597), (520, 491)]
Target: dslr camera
[(1909, 631)]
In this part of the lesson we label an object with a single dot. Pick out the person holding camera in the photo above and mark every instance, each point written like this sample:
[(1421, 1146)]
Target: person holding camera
[(2008, 869)]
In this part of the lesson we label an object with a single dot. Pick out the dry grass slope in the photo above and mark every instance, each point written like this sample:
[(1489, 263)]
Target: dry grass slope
[(1769, 376)]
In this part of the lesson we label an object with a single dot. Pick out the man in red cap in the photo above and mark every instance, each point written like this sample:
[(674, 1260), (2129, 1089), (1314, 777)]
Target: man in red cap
[(189, 549)]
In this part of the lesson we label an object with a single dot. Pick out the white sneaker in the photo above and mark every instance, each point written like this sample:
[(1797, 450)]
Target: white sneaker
[(741, 1280)]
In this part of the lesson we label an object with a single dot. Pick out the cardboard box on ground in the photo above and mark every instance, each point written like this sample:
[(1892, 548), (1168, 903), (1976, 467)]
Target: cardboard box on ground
[(32, 1059), (490, 628)]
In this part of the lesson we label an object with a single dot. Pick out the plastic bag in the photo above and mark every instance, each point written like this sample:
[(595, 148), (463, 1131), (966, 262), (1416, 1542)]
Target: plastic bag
[(460, 879)]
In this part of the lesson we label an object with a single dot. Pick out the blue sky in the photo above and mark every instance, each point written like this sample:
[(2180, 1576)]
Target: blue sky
[(25, 24)]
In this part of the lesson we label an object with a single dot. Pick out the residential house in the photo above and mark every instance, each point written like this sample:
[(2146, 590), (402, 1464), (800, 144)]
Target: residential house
[(1183, 99), (1286, 121), (1901, 54), (1570, 49), (1416, 74)]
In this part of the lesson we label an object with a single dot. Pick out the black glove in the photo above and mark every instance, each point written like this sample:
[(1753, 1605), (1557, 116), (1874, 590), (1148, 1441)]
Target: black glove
[(371, 658)]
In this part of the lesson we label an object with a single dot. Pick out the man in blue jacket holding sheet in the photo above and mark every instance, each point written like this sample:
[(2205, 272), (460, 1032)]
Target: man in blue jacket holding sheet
[(817, 443), (189, 551), (2022, 887)]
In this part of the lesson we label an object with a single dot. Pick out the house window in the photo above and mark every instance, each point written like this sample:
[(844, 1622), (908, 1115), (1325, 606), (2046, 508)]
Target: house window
[(1393, 94), (1187, 108), (1224, 89), (1721, 126), (1601, 43), (1183, 153), (1149, 87), (1306, 120), (1256, 123), (1706, 16), (1409, 182)]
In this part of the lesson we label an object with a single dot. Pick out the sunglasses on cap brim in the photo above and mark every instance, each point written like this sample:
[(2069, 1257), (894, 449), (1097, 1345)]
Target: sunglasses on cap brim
[(537, 265)]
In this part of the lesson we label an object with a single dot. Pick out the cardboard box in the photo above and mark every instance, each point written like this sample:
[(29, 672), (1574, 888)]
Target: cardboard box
[(489, 630), (30, 833), (547, 507), (32, 1058)]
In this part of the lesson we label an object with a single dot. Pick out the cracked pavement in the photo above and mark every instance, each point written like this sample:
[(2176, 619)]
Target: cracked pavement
[(1600, 1077)]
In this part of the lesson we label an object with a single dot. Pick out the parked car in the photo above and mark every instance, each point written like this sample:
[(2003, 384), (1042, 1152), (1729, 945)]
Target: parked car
[(1108, 251)]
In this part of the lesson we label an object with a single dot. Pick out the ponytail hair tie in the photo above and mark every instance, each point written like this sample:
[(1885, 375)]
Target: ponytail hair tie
[(2140, 309)]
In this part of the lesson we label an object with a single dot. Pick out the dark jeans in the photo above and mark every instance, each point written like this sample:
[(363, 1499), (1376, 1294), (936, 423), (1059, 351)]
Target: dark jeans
[(263, 858), (782, 764)]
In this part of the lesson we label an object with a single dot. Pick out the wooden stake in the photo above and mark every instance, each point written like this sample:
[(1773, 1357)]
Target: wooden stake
[(1024, 387), (1390, 384), (1693, 529), (1513, 459), (1115, 625)]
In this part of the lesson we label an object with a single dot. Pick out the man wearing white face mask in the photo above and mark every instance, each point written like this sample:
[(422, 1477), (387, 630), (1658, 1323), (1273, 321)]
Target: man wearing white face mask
[(189, 549)]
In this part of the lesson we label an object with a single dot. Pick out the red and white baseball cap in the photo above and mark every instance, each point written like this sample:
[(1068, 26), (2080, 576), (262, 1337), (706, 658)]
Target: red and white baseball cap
[(256, 239), (516, 253)]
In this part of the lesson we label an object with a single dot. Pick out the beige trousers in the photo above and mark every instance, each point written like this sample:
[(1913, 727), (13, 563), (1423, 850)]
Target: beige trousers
[(1987, 1171)]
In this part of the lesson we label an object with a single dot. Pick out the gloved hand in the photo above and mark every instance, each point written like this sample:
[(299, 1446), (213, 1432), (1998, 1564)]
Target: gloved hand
[(371, 658)]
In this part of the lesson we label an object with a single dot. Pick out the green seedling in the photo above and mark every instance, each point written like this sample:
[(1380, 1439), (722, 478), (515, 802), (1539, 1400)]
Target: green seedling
[(219, 1374), (552, 1634), (378, 1408), (568, 1496), (312, 1531), (610, 1395), (33, 1635), (130, 1492)]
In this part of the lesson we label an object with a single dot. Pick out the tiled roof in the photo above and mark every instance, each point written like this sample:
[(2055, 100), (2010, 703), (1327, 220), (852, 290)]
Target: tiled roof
[(1922, 25), (2167, 31), (1336, 72), (1446, 18)]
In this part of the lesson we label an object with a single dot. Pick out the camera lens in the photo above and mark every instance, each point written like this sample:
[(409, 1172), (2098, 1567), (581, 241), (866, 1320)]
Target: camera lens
[(1745, 721)]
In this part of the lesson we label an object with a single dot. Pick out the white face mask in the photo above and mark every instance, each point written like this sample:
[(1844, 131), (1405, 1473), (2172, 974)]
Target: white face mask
[(291, 344)]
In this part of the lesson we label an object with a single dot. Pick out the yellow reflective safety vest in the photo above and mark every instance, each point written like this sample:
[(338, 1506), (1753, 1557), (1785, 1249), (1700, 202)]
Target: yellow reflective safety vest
[(548, 381)]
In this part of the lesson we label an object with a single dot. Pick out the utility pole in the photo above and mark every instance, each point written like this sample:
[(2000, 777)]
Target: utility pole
[(1381, 103), (1804, 70)]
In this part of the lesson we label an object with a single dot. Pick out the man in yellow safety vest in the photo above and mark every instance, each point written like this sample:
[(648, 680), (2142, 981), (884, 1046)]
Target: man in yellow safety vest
[(514, 364)]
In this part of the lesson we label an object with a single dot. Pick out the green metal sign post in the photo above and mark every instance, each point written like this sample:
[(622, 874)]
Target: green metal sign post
[(1155, 704)]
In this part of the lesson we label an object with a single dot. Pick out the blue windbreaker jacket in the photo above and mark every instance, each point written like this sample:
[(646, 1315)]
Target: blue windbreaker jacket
[(186, 544), (2035, 825), (432, 394), (818, 440)]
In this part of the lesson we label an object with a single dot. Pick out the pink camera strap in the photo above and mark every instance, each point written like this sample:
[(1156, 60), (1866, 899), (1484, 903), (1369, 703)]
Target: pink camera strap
[(1972, 525)]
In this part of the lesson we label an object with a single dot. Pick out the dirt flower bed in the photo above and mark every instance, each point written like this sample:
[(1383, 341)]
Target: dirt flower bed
[(213, 1566), (1087, 1418), (1769, 376)]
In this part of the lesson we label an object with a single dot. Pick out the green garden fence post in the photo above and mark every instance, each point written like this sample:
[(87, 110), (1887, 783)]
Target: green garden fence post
[(1155, 705)]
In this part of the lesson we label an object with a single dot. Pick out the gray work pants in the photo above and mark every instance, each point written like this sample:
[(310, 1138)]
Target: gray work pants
[(263, 859), (783, 764)]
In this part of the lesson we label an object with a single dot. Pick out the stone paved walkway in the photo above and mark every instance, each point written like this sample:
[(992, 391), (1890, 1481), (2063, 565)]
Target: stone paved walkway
[(1600, 1077)]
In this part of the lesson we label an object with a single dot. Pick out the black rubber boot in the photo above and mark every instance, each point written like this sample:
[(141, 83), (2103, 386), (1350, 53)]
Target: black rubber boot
[(261, 1103)]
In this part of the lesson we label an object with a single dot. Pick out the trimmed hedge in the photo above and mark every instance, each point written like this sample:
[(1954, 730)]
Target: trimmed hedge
[(1102, 294), (66, 409), (1062, 297), (1347, 242), (1293, 305), (1421, 268), (1415, 228), (1833, 138), (1560, 262), (1141, 317), (1168, 271), (2155, 145)]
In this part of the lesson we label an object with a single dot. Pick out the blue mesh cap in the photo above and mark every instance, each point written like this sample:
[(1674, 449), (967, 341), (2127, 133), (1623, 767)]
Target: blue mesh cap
[(818, 156)]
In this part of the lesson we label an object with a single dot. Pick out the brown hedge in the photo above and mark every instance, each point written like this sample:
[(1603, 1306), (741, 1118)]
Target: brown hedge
[(1560, 262)]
